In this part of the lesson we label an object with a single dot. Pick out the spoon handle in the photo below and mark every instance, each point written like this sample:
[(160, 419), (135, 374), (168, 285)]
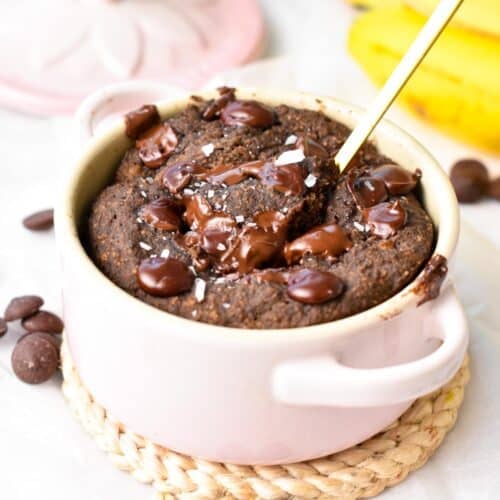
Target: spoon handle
[(393, 86)]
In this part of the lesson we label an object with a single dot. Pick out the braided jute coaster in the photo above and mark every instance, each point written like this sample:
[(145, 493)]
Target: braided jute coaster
[(362, 471)]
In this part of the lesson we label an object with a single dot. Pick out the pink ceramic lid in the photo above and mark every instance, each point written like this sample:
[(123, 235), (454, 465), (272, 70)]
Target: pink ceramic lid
[(55, 52)]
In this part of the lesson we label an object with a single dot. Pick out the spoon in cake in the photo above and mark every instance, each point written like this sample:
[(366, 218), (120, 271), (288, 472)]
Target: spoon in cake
[(438, 21)]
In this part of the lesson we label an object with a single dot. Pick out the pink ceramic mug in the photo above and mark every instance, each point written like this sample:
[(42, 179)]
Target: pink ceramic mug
[(246, 396)]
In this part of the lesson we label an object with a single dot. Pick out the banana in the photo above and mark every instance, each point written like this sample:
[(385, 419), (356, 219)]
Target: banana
[(481, 15), (457, 86)]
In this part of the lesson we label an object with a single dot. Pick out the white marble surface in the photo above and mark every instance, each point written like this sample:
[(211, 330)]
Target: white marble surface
[(43, 451)]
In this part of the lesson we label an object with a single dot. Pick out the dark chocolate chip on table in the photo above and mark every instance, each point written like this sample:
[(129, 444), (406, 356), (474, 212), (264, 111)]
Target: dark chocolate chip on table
[(39, 221), (470, 180), (43, 321), (35, 359), (164, 277), (494, 189), (140, 120), (53, 339), (21, 307), (3, 327)]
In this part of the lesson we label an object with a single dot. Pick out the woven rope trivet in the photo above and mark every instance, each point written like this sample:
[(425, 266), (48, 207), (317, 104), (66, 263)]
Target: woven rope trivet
[(362, 471)]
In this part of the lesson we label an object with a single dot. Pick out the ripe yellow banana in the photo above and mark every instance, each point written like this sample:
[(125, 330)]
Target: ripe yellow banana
[(481, 15), (457, 86)]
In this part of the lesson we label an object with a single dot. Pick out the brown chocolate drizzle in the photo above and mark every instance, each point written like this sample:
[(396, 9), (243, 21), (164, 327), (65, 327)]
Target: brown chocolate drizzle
[(327, 240), (433, 275), (385, 219), (140, 120)]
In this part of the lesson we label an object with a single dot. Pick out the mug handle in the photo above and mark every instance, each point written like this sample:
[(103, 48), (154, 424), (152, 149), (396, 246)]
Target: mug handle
[(325, 381), (117, 99)]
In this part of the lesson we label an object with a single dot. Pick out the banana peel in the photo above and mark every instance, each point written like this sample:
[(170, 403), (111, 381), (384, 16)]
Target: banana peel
[(457, 86)]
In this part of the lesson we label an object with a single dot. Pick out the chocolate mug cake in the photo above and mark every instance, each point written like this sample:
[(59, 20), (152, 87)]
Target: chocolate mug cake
[(233, 213)]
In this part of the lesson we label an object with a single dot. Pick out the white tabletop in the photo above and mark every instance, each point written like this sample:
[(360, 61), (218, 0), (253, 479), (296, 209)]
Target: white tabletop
[(43, 451)]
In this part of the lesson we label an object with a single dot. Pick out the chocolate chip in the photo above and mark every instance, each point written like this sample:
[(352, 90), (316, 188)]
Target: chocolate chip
[(470, 180), (139, 120), (310, 286), (398, 181), (250, 113), (385, 219), (156, 145), (367, 191), (51, 338), (21, 307), (3, 327), (39, 221), (215, 107), (35, 359), (163, 214), (43, 321), (164, 277), (311, 147), (327, 240), (178, 176), (494, 189)]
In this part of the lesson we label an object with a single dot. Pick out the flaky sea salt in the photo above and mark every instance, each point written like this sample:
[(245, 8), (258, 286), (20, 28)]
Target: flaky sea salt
[(359, 227), (226, 305), (139, 220), (210, 193), (165, 253), (145, 246), (310, 180), (221, 247), (292, 156), (199, 289), (208, 149), (144, 194), (239, 219), (188, 192), (291, 139), (149, 180)]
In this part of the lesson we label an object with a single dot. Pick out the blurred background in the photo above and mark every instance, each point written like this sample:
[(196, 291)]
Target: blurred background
[(55, 52)]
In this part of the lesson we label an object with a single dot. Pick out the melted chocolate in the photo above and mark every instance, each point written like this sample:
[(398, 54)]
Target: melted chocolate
[(164, 277), (311, 147), (163, 214), (179, 175), (214, 109), (385, 219), (156, 145), (287, 179), (140, 120), (249, 113), (397, 180), (433, 275), (311, 286), (327, 240), (366, 191)]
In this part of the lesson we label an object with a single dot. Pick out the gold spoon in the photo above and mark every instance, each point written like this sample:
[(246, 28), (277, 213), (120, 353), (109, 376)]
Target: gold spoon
[(393, 86)]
